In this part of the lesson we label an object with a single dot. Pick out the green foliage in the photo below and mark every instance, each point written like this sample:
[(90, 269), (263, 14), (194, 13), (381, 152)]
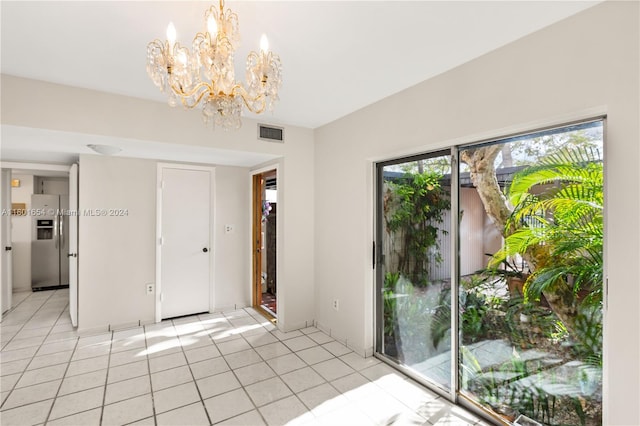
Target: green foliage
[(557, 223), (588, 334), (413, 208), (540, 324), (476, 301), (498, 388), (441, 320), (406, 315), (389, 302)]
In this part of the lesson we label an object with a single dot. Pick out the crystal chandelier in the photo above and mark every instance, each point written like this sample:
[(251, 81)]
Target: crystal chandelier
[(205, 75)]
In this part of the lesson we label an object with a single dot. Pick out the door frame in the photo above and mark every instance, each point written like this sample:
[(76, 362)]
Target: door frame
[(455, 395), (256, 261), (33, 169), (212, 227), (6, 278), (378, 261), (255, 282), (72, 254)]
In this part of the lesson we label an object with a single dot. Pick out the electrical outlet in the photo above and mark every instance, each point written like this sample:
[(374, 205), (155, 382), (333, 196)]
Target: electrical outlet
[(228, 229), (336, 304), (149, 288)]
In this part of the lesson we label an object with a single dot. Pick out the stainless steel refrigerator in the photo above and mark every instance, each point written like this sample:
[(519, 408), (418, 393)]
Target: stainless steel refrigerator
[(49, 241)]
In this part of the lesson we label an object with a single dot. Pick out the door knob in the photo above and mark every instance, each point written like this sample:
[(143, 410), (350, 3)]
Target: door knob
[(205, 249)]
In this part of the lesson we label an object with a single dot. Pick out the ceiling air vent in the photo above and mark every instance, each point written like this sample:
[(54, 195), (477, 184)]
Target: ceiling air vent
[(270, 133)]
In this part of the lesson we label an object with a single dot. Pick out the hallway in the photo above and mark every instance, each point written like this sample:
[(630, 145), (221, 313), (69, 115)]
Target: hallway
[(228, 368)]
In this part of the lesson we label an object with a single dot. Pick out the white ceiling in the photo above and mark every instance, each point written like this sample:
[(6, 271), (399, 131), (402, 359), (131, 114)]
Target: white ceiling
[(338, 56)]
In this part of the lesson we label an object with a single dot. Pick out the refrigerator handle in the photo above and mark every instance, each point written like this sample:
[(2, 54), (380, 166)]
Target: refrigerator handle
[(56, 231), (61, 222)]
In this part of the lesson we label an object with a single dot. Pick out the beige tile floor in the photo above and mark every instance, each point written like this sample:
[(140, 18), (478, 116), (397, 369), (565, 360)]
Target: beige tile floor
[(231, 368)]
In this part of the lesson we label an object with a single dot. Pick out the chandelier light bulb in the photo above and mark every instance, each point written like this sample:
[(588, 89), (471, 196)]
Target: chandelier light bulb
[(171, 35), (212, 27), (264, 44)]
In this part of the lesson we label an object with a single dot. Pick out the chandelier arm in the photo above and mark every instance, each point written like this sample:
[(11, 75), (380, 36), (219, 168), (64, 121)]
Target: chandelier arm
[(196, 102), (184, 96), (238, 89)]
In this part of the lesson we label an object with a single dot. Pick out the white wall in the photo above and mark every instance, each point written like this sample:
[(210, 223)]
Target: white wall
[(584, 65), (116, 254), (36, 104), (51, 185), (295, 230), (21, 234), (232, 250), (296, 215)]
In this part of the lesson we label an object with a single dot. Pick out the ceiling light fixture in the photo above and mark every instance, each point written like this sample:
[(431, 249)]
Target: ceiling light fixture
[(205, 75), (105, 149)]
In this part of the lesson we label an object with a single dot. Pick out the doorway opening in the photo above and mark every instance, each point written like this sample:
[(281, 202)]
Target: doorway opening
[(40, 220), (265, 211), (49, 232)]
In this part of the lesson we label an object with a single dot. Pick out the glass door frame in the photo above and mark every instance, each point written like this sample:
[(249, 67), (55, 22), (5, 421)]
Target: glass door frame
[(455, 394), (378, 260)]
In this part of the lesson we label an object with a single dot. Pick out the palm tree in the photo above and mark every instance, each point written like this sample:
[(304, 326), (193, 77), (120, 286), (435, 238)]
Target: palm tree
[(557, 227)]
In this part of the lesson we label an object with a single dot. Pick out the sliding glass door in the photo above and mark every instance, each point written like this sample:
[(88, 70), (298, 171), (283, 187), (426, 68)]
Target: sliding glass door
[(415, 264), (511, 242)]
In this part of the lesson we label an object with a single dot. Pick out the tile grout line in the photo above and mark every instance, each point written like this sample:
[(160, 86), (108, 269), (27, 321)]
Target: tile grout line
[(5, 317), (252, 348), (32, 356), (276, 376), (65, 376), (308, 365), (257, 409), (30, 359), (177, 337), (325, 381), (153, 402), (188, 363), (55, 398), (195, 382), (106, 378), (232, 370), (13, 309)]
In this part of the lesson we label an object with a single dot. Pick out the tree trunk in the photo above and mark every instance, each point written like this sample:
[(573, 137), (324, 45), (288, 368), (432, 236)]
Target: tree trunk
[(507, 157), (563, 303), (483, 175)]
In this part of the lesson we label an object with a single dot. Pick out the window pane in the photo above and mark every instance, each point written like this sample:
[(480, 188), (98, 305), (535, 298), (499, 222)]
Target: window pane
[(415, 274), (530, 293)]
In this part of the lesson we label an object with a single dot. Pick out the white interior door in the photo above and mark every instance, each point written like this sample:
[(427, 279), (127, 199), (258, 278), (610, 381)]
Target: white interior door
[(5, 233), (73, 244), (185, 250)]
